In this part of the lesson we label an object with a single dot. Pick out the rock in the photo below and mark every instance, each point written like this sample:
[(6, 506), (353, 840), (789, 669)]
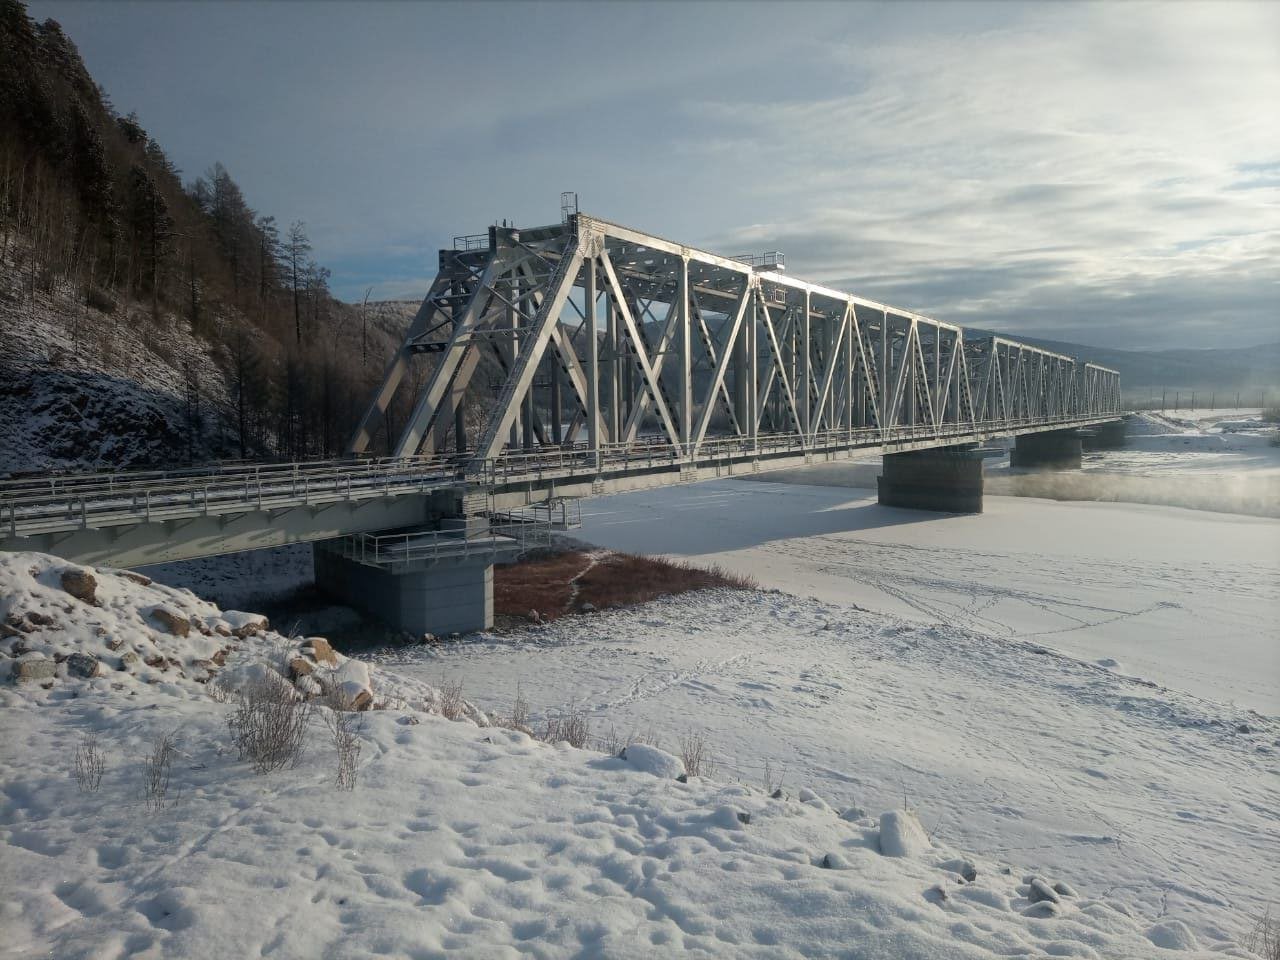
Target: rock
[(80, 583), (835, 861), (743, 817), (853, 814), (37, 619), (901, 834), (1042, 910), (429, 638), (83, 665), (778, 794), (221, 629), (115, 643), (810, 798), (308, 686), (1173, 935), (35, 668), (129, 660), (588, 608), (1064, 889), (245, 624), (936, 894), (649, 759), (535, 616), (352, 685), (220, 658), (7, 630), (1040, 891), (362, 700), (968, 871), (155, 661), (409, 720), (300, 667), (172, 621), (320, 651), (139, 578)]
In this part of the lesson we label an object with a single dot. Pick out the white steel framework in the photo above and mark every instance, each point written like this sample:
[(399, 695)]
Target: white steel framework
[(607, 339)]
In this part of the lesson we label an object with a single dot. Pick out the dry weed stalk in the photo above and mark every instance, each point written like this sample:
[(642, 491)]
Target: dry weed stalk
[(90, 763)]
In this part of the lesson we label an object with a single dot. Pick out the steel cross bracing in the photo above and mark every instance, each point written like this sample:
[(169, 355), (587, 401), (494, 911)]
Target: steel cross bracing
[(607, 338), (618, 359)]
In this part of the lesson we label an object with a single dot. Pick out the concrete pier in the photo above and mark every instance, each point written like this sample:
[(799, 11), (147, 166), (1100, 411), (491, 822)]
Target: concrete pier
[(1051, 450), (1105, 436), (946, 479), (439, 582)]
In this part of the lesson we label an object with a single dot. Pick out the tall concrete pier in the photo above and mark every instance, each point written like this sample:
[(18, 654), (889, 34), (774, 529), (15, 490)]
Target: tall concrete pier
[(946, 479), (1051, 450)]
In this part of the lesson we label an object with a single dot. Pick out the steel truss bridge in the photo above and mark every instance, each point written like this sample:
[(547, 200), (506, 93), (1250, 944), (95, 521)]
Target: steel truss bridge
[(607, 359)]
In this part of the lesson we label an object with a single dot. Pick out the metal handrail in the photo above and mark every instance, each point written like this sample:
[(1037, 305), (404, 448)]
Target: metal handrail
[(105, 500)]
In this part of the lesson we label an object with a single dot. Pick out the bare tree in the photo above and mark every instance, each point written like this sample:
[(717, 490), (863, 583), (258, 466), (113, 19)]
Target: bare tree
[(296, 248)]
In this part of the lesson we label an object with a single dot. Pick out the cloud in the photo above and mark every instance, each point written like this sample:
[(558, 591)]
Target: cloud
[(1105, 169)]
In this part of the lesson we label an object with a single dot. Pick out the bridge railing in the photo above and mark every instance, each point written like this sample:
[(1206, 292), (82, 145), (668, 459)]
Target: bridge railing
[(398, 549), (107, 500)]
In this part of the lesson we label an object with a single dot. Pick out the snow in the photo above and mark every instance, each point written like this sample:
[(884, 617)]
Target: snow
[(901, 834), (1168, 802), (650, 759), (468, 840), (462, 839), (1151, 587)]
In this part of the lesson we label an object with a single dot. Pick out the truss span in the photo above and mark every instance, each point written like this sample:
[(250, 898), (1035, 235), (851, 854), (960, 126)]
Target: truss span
[(597, 359), (600, 339)]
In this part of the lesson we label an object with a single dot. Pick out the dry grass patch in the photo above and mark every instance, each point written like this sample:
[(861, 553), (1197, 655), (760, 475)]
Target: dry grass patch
[(567, 582)]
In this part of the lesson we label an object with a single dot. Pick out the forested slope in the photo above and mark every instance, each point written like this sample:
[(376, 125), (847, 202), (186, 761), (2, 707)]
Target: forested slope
[(146, 319)]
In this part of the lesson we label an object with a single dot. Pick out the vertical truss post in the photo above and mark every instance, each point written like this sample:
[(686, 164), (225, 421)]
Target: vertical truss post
[(593, 361), (684, 354)]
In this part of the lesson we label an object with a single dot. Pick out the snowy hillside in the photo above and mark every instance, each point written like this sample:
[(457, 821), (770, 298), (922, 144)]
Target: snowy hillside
[(80, 387), (459, 838)]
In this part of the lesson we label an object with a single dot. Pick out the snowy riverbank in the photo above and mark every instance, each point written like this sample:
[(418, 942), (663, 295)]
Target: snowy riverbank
[(465, 840)]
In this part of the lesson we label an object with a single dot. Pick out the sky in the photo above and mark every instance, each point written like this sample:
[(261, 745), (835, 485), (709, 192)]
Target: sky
[(1105, 174)]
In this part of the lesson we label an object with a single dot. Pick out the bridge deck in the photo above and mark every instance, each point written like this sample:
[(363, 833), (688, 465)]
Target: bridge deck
[(147, 517)]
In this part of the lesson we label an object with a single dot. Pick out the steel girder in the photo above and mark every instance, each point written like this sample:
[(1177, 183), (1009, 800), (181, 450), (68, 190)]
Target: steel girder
[(614, 337)]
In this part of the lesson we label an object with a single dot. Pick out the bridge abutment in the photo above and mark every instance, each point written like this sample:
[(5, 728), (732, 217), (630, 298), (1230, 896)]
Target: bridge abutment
[(437, 582), (945, 479), (1051, 450)]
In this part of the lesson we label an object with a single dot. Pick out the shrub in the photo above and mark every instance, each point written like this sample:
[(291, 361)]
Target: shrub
[(1264, 939), (451, 702), (570, 724), (90, 764), (269, 725), (156, 770), (565, 582), (345, 727), (613, 744), (518, 719), (695, 755)]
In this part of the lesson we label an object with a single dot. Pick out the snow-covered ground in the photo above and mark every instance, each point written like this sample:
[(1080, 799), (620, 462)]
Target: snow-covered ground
[(1084, 691), (1185, 598), (463, 839)]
